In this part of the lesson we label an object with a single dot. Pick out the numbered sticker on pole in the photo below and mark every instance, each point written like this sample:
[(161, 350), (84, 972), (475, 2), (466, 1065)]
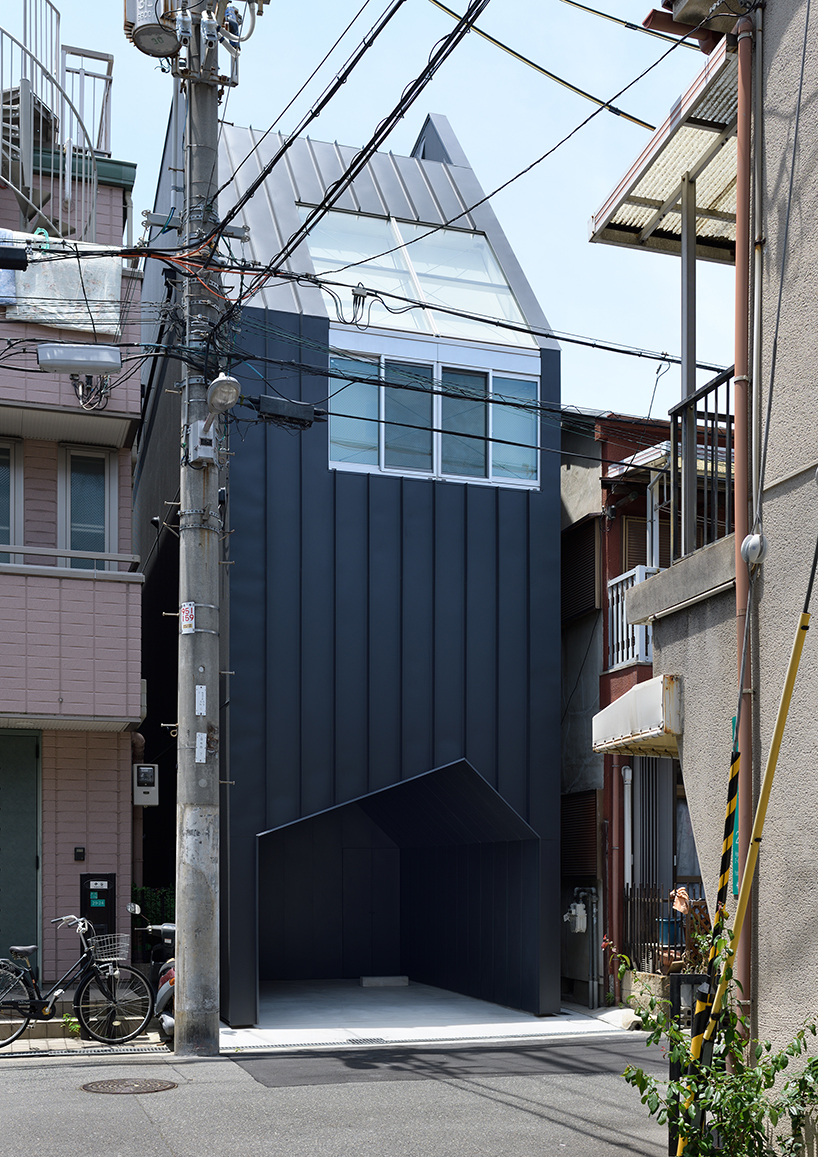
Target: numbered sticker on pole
[(187, 618)]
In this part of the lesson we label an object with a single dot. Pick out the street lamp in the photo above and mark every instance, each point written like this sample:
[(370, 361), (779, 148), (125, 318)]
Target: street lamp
[(222, 395)]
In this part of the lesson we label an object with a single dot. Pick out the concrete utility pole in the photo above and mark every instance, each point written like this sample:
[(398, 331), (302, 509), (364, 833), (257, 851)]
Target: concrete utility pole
[(189, 35), (196, 998)]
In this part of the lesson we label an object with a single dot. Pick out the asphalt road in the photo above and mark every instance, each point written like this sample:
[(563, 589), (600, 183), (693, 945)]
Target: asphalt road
[(561, 1097)]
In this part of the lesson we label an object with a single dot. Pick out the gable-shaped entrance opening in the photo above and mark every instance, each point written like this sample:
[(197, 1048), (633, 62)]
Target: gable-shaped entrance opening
[(436, 878)]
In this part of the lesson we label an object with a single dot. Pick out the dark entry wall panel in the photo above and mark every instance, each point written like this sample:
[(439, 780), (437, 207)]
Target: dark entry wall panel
[(384, 635), (482, 509), (450, 805), (453, 940), (351, 636), (449, 620), (512, 625), (329, 899), (318, 625), (418, 624), (280, 632)]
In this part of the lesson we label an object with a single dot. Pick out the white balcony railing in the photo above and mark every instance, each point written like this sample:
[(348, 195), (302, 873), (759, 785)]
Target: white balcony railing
[(626, 643)]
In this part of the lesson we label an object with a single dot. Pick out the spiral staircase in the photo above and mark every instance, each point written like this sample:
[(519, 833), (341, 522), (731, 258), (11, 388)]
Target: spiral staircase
[(47, 154)]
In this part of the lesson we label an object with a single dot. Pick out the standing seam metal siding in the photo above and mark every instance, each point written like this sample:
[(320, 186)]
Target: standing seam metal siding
[(381, 627)]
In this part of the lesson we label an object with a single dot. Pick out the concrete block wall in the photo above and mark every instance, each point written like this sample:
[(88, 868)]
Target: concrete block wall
[(86, 802)]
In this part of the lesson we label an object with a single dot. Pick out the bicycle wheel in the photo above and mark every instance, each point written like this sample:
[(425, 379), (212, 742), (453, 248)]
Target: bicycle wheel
[(114, 1003), (13, 1021)]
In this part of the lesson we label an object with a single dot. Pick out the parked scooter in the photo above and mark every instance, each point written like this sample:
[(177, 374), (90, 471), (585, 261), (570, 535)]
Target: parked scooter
[(163, 974)]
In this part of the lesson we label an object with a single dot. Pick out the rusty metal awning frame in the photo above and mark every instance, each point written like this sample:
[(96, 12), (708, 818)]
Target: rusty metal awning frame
[(698, 140)]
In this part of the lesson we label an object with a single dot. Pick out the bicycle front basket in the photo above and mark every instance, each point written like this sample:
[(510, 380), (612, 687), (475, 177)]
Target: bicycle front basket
[(108, 949)]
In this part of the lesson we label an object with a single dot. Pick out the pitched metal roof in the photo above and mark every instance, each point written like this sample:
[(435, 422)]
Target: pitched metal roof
[(431, 187), (698, 138)]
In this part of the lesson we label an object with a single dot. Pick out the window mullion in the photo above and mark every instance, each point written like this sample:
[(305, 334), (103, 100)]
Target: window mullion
[(489, 424), (381, 412), (437, 420), (419, 294)]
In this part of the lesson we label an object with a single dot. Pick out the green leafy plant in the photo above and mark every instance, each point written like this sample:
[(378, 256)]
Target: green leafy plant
[(71, 1024), (736, 1102), (157, 904)]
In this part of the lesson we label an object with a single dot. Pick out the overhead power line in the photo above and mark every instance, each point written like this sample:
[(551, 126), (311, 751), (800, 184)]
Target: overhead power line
[(539, 160), (306, 120), (627, 24), (501, 323), (551, 75), (366, 42), (361, 159)]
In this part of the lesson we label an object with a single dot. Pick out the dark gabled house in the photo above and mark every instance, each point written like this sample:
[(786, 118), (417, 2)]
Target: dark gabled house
[(391, 647)]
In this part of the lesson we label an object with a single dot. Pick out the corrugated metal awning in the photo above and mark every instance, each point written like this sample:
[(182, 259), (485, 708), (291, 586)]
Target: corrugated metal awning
[(698, 138), (647, 720)]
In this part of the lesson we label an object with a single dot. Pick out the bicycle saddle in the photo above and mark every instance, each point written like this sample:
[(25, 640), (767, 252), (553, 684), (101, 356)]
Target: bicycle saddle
[(16, 952)]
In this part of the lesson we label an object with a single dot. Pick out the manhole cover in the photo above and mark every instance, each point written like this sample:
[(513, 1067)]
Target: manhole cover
[(128, 1085)]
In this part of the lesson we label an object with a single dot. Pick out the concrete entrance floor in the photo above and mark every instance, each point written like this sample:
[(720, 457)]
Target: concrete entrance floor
[(342, 1012)]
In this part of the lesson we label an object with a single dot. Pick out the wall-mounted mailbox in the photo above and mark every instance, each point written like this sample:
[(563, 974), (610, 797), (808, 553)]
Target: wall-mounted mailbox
[(146, 784), (98, 901)]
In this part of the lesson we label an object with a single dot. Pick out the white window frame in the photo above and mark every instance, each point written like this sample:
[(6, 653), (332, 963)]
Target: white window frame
[(16, 508), (111, 460), (523, 365)]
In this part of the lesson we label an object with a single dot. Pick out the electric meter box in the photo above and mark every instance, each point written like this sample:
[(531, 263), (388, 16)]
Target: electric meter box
[(146, 784)]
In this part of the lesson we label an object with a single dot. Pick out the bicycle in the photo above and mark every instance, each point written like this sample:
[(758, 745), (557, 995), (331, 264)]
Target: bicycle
[(112, 1002)]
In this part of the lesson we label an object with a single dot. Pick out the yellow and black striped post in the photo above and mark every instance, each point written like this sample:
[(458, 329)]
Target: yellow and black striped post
[(708, 1006), (704, 996)]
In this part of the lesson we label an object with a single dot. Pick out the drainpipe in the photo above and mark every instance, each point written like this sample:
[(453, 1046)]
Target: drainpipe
[(589, 898), (744, 29), (616, 884), (627, 779), (758, 253), (594, 950)]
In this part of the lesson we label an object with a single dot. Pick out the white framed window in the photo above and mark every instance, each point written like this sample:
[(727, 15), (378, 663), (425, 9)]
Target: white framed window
[(435, 417), (11, 496), (87, 505)]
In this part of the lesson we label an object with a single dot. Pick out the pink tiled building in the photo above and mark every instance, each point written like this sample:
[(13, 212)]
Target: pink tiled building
[(70, 587)]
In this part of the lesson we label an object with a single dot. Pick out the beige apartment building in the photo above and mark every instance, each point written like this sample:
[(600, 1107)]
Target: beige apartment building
[(70, 587), (730, 177)]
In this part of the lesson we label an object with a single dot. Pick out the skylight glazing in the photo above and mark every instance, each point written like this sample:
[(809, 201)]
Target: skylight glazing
[(452, 268)]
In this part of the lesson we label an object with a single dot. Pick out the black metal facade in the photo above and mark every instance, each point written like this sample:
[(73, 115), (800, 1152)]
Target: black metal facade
[(381, 627), (390, 735)]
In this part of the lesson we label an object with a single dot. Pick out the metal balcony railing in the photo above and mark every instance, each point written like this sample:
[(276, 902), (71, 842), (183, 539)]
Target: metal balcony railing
[(701, 464), (655, 934), (47, 156), (626, 643)]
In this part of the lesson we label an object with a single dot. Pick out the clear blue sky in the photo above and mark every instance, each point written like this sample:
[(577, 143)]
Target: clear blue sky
[(505, 116)]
